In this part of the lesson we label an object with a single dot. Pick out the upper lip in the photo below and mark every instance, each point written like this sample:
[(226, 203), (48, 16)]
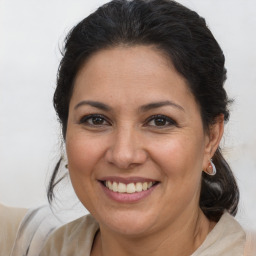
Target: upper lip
[(127, 180)]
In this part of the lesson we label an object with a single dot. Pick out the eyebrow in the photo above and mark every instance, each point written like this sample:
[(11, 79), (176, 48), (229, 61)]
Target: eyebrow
[(95, 104), (143, 108), (154, 105)]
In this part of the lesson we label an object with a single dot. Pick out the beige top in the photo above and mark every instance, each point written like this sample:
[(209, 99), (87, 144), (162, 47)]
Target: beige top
[(250, 245), (21, 235), (226, 239), (73, 239), (10, 219), (76, 238)]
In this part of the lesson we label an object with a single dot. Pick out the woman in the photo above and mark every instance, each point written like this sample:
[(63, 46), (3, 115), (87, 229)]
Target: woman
[(142, 106)]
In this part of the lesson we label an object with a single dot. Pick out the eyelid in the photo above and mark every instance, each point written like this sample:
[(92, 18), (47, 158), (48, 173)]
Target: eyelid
[(85, 118), (168, 119)]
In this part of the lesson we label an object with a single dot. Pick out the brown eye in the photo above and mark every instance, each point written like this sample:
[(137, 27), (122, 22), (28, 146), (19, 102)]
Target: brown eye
[(94, 120), (97, 120), (160, 121)]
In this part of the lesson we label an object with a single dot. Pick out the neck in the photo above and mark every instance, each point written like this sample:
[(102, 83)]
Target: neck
[(180, 239)]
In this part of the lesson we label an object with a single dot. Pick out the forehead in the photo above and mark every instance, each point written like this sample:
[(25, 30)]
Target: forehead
[(124, 59), (130, 74)]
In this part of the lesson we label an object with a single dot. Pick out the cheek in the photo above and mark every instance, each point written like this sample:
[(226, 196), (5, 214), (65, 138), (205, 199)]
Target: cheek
[(83, 153), (181, 161), (180, 156)]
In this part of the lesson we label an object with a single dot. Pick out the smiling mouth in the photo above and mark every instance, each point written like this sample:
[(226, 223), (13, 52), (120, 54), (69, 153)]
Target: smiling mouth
[(129, 188)]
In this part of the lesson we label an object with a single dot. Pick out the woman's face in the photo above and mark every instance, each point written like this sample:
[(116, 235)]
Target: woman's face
[(135, 141)]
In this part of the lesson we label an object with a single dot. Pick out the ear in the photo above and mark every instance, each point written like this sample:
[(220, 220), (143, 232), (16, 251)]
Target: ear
[(213, 138)]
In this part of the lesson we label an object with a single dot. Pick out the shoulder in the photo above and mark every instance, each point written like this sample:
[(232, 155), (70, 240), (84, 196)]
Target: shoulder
[(227, 239), (10, 219), (35, 228), (250, 245), (72, 238)]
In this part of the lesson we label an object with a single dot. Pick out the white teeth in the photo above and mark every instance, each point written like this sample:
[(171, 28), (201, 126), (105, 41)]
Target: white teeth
[(109, 185), (121, 188), (138, 186), (145, 186), (129, 188), (115, 187)]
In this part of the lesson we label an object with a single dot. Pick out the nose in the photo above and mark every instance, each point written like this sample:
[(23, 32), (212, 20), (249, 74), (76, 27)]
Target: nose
[(126, 149)]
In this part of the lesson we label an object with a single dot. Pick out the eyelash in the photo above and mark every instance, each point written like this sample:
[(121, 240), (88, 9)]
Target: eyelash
[(167, 121), (85, 119)]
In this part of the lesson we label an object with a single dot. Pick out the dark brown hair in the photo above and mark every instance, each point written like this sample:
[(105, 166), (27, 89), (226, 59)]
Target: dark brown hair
[(183, 36)]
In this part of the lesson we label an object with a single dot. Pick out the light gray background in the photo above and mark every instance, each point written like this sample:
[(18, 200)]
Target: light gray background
[(31, 33)]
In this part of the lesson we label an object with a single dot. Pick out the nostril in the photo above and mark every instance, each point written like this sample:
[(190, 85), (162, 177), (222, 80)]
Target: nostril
[(126, 158)]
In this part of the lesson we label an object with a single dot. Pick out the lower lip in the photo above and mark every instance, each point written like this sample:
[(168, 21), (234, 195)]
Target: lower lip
[(127, 197)]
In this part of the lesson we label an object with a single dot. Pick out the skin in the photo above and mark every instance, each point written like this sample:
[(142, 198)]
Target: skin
[(127, 141)]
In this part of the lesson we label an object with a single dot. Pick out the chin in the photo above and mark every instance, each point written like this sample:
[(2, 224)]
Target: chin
[(129, 223)]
